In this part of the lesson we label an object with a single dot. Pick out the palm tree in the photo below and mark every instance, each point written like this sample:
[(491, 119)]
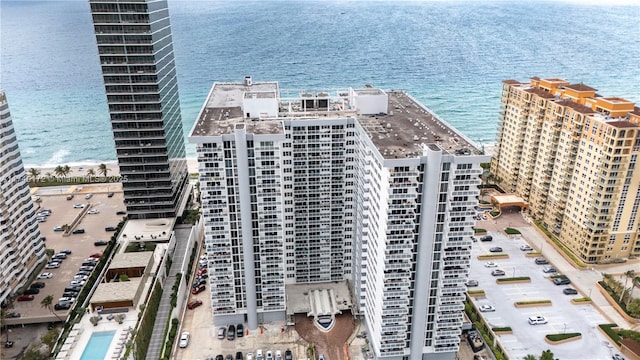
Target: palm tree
[(91, 173), (34, 173), (630, 274), (103, 170), (38, 201), (530, 357), (66, 170), (59, 170), (47, 174), (46, 303)]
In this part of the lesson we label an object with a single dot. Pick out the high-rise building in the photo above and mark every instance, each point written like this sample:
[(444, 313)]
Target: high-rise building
[(21, 246), (136, 56), (361, 185), (572, 154)]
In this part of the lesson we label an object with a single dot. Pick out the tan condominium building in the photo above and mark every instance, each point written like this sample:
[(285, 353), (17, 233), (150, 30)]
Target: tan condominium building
[(571, 153)]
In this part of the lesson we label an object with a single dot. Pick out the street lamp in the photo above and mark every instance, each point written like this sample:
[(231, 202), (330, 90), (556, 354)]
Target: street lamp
[(564, 331), (589, 293), (514, 271)]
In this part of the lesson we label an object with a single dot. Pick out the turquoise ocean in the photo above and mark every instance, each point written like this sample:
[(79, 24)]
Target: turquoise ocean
[(451, 55)]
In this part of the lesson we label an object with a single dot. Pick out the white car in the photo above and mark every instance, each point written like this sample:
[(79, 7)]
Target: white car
[(250, 356), (77, 282), (52, 265), (526, 248), (487, 308), (80, 277), (88, 196), (184, 339), (58, 228), (66, 299), (490, 264), (537, 320), (278, 355), (78, 206), (45, 275), (93, 211)]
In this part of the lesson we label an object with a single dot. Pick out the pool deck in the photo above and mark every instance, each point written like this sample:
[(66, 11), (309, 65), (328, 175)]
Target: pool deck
[(84, 329)]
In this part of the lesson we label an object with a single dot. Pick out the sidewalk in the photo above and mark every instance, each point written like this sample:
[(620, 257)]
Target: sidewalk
[(583, 280)]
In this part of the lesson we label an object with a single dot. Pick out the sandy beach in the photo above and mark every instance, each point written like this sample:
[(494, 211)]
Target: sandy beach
[(80, 170)]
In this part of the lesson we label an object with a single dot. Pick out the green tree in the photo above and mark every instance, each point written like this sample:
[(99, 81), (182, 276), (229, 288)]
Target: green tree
[(46, 303), (59, 170), (91, 173), (50, 338), (630, 274), (530, 357), (33, 174), (34, 354), (103, 170), (546, 355), (633, 308)]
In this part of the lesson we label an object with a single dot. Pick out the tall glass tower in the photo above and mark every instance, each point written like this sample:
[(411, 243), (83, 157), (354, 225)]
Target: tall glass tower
[(136, 56)]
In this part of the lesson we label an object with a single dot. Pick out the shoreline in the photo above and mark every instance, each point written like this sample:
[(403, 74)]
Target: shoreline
[(80, 169)]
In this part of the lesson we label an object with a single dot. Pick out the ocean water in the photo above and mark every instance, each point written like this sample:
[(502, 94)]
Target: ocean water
[(451, 55)]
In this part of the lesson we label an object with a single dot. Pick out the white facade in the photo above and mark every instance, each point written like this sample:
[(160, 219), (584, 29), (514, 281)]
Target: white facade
[(21, 247), (316, 196)]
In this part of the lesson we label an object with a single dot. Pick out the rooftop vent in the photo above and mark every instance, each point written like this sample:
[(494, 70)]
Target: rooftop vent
[(248, 81)]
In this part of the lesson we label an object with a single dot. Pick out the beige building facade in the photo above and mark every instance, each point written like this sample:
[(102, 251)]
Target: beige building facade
[(571, 153)]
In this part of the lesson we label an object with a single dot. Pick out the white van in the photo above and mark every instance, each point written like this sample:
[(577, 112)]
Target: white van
[(221, 333)]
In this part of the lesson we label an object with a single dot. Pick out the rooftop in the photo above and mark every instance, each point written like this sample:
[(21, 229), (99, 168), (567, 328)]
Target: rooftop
[(581, 87), (130, 260), (116, 291), (402, 130)]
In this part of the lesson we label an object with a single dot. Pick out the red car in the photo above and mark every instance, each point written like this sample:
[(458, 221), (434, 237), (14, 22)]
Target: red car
[(194, 304), (201, 271), (96, 255), (197, 290), (25, 298)]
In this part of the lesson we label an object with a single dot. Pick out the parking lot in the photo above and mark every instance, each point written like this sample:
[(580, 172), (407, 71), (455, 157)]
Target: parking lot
[(81, 245), (562, 316)]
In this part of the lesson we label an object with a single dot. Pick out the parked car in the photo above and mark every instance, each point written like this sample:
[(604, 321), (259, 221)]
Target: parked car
[(495, 249), (58, 229), (228, 357), (70, 197), (121, 212), (77, 282), (67, 299), (52, 265), (38, 285), (486, 238), (25, 298), (562, 281), (203, 276), (269, 355), (549, 269), (221, 333), (570, 291), (110, 228), (250, 356), (541, 261), (45, 275), (537, 320), (59, 256), (76, 288), (78, 206), (32, 291), (86, 268), (194, 304), (617, 357), (88, 263), (199, 282), (101, 243), (96, 255), (62, 306), (88, 196), (497, 272), (110, 194), (65, 251), (14, 314), (490, 264), (288, 355), (201, 271), (78, 231), (198, 290), (231, 333), (259, 354), (526, 248), (487, 308), (239, 356), (93, 212), (472, 283), (278, 355), (184, 339), (239, 330), (80, 277), (70, 294)]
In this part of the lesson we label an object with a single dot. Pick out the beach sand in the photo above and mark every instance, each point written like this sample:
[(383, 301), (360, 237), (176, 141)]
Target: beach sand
[(80, 170)]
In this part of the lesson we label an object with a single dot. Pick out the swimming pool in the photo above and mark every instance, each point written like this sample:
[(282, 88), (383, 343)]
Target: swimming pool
[(98, 345)]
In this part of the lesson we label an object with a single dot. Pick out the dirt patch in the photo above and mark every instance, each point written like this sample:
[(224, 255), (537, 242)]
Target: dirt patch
[(332, 343)]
